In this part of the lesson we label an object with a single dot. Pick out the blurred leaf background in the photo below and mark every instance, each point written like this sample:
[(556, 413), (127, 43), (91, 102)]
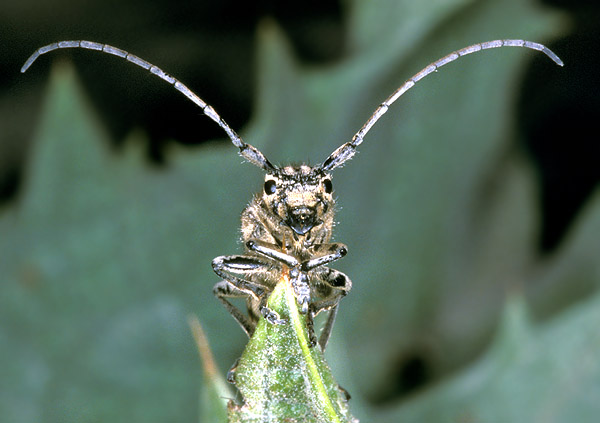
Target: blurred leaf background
[(472, 211)]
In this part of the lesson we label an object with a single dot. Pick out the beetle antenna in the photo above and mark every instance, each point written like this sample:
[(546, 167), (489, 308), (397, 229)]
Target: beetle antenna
[(247, 151), (347, 150)]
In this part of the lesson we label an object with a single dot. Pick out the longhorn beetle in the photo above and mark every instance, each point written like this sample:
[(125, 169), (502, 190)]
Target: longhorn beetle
[(288, 226)]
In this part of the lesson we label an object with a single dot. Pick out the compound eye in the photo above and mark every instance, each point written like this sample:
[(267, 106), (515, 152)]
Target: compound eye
[(270, 187), (328, 186)]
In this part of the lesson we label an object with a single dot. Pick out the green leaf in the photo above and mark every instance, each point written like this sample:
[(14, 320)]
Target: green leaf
[(280, 377), (93, 310), (213, 404), (531, 374)]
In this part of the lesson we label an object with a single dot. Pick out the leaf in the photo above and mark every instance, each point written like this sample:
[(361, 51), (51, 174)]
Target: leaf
[(280, 377), (213, 404), (531, 374), (91, 330)]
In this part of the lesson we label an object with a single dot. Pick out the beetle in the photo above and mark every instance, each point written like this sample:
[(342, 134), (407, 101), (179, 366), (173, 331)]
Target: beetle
[(287, 228)]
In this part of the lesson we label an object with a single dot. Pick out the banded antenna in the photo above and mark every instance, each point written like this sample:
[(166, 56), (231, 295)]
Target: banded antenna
[(343, 153), (247, 151), (347, 150)]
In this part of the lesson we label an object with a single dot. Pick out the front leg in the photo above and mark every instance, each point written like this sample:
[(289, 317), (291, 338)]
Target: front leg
[(321, 254), (332, 286), (273, 252), (225, 289), (250, 277), (247, 273), (298, 278), (324, 254)]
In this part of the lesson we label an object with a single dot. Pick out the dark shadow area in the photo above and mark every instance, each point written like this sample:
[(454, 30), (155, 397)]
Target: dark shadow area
[(410, 373), (558, 116)]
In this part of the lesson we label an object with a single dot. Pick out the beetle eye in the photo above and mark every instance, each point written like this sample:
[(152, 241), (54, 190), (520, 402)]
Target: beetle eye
[(328, 186), (270, 187)]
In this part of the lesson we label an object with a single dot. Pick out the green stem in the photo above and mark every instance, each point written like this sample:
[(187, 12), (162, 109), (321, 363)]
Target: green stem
[(300, 328)]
